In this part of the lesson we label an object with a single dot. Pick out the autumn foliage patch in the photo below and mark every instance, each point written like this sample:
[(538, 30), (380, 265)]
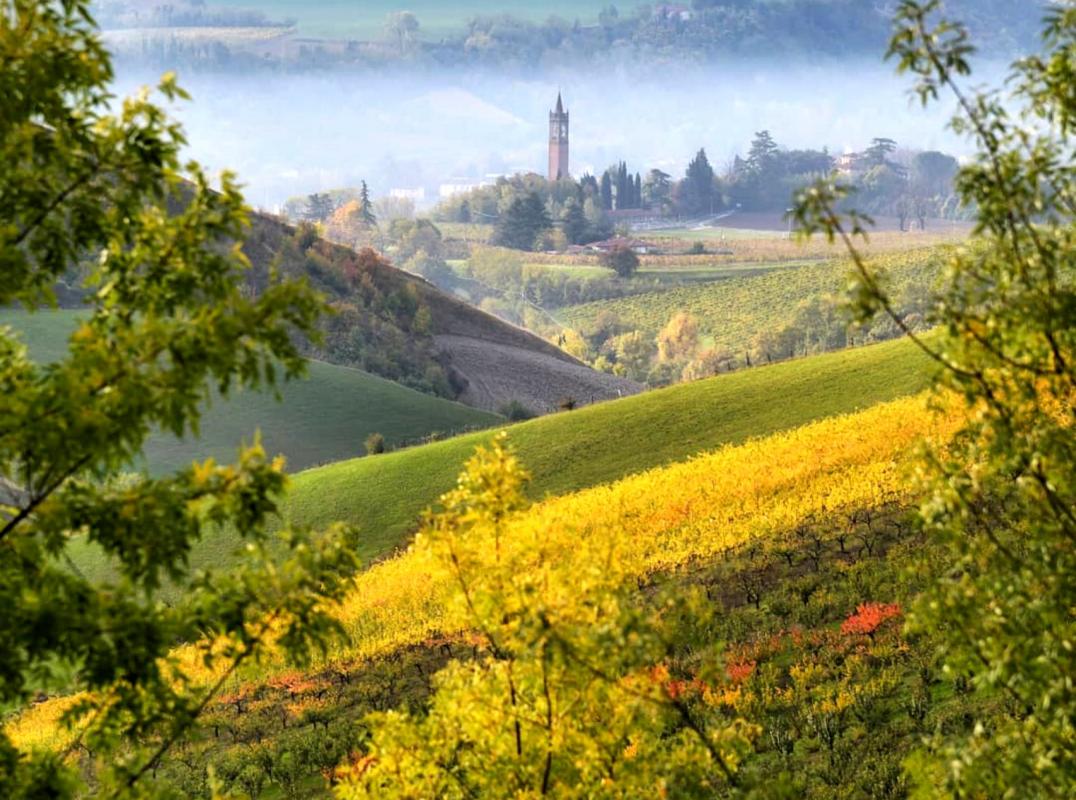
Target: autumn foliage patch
[(869, 617)]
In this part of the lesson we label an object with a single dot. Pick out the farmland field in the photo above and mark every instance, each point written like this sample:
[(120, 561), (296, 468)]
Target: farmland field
[(661, 519), (365, 19), (324, 418), (672, 270), (762, 246), (731, 312)]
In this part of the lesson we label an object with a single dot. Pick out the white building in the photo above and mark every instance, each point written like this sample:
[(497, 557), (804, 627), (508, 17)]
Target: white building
[(416, 196)]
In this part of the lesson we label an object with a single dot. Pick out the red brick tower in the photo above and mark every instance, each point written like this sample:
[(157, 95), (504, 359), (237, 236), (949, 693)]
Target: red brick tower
[(558, 142)]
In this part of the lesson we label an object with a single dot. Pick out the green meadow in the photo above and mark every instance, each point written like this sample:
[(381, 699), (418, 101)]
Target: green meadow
[(323, 418)]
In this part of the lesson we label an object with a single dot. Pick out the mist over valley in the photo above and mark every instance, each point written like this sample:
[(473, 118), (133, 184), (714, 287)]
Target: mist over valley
[(288, 135)]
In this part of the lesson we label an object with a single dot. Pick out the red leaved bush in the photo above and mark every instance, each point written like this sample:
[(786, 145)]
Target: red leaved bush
[(740, 671), (869, 617)]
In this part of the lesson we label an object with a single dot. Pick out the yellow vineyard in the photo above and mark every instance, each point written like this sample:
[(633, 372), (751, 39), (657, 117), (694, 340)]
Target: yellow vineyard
[(658, 520)]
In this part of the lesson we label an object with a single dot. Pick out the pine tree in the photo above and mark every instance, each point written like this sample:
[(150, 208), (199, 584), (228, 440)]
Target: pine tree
[(366, 208), (877, 155), (763, 156), (319, 207)]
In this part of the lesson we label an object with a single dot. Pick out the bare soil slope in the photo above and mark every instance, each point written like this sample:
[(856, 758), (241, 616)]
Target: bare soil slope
[(498, 373)]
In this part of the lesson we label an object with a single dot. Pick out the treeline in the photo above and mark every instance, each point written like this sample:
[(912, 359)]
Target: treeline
[(532, 213), (118, 14), (379, 323), (914, 186), (708, 30), (680, 351)]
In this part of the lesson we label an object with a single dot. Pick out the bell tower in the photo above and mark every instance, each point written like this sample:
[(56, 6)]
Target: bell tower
[(558, 142)]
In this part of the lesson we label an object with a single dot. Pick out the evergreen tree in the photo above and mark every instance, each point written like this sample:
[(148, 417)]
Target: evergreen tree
[(877, 155), (657, 188), (521, 224), (575, 222), (588, 187), (607, 191), (697, 189), (762, 159), (638, 191), (598, 225), (366, 208), (318, 207)]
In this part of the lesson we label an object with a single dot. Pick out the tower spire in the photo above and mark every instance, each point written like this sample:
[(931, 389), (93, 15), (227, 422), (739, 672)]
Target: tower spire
[(558, 141)]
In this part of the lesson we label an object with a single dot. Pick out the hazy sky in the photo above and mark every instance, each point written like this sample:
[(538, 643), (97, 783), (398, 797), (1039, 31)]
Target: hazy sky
[(288, 135)]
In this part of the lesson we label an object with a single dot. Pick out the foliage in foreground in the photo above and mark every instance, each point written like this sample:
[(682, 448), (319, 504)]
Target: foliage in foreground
[(168, 320), (1003, 500), (660, 520), (565, 690)]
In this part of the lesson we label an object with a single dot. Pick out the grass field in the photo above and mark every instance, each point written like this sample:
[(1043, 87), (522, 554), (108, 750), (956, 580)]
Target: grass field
[(731, 312), (566, 452), (321, 419), (573, 270), (468, 232), (366, 19)]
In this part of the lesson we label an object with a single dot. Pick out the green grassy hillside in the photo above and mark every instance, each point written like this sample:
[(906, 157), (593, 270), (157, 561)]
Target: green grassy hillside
[(321, 419), (594, 445), (385, 495)]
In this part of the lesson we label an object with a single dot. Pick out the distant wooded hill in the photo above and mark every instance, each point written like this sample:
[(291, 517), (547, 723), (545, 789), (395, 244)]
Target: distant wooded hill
[(506, 34)]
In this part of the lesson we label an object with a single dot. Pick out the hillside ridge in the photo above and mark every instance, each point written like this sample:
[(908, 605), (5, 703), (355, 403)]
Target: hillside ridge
[(524, 367)]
